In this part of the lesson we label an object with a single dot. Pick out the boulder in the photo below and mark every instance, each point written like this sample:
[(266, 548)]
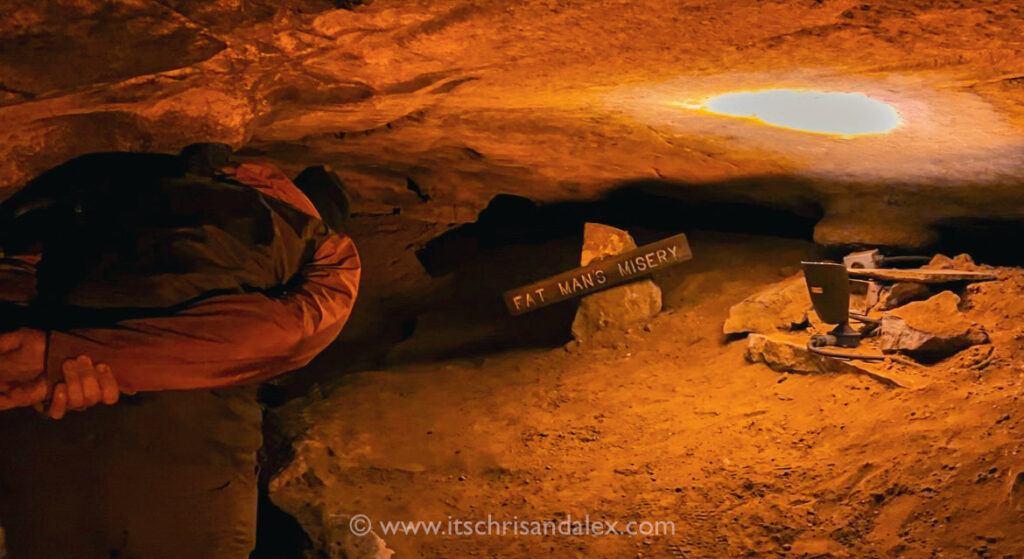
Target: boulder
[(935, 328), (618, 307), (902, 293), (786, 356), (780, 306)]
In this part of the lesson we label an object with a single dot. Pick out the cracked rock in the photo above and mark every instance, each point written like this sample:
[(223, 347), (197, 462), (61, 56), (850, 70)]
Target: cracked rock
[(781, 306), (618, 307), (789, 357), (934, 327)]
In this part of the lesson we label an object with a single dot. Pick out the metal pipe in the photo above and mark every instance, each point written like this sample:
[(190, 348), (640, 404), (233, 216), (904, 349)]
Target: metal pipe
[(841, 355)]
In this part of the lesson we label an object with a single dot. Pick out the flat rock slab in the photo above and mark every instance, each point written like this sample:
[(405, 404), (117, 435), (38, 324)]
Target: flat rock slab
[(780, 306), (919, 275), (935, 326), (618, 307), (792, 357)]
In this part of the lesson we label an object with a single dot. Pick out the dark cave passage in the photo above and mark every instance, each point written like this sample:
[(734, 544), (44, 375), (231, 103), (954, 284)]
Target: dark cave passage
[(990, 241), (516, 241)]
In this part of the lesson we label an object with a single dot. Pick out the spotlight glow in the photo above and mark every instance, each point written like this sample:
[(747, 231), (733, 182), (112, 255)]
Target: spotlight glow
[(837, 114)]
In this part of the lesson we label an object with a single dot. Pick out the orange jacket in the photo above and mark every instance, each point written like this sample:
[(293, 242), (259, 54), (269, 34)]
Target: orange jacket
[(225, 340)]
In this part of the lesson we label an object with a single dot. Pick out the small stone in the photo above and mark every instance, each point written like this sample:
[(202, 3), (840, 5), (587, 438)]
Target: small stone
[(902, 293), (935, 328), (958, 262), (940, 262), (600, 241), (781, 306), (618, 307), (964, 262)]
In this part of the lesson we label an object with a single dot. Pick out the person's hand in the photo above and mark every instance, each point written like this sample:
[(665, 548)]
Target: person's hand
[(19, 395), (22, 367), (22, 356), (84, 385)]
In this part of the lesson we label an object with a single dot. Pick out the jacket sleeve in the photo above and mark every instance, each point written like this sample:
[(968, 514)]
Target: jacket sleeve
[(17, 280), (226, 340)]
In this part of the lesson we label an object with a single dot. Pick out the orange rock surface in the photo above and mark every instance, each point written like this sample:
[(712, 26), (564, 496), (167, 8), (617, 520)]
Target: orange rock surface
[(552, 100)]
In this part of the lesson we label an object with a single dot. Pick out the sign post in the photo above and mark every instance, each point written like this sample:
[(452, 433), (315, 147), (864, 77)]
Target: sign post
[(599, 275)]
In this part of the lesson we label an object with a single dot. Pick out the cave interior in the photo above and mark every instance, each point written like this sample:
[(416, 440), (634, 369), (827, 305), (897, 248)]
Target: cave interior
[(483, 144)]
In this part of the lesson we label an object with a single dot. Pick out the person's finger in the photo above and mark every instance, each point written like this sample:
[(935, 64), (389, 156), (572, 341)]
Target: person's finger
[(59, 403), (90, 388), (108, 384), (37, 392), (72, 369)]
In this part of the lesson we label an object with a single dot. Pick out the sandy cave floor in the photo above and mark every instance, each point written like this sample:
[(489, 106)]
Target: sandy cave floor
[(669, 422)]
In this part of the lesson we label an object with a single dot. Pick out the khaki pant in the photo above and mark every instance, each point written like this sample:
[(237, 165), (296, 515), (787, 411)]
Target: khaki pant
[(168, 475)]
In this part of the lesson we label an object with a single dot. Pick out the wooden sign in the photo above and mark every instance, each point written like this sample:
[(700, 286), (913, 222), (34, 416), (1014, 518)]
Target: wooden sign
[(602, 274)]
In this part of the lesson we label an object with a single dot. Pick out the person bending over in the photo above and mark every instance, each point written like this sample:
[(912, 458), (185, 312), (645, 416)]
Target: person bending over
[(170, 472)]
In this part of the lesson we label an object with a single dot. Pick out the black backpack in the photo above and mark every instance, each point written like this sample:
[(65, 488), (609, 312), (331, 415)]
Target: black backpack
[(126, 235)]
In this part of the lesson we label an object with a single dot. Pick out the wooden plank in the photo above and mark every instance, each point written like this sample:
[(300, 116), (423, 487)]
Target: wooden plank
[(603, 274), (918, 275)]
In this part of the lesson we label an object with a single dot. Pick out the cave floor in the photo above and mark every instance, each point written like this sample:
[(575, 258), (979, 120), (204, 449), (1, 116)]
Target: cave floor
[(668, 422)]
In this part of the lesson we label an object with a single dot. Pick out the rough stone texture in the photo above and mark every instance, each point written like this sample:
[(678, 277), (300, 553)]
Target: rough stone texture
[(551, 100), (618, 307), (786, 356), (902, 293), (780, 306), (600, 241), (935, 327), (959, 262), (299, 489)]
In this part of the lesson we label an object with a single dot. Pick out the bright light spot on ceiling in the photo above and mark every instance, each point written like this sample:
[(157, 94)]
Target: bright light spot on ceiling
[(838, 114)]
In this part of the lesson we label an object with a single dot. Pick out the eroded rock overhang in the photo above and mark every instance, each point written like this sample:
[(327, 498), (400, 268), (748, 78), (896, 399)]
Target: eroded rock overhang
[(434, 108)]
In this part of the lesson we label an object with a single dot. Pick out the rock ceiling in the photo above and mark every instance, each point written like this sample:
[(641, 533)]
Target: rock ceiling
[(433, 107)]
